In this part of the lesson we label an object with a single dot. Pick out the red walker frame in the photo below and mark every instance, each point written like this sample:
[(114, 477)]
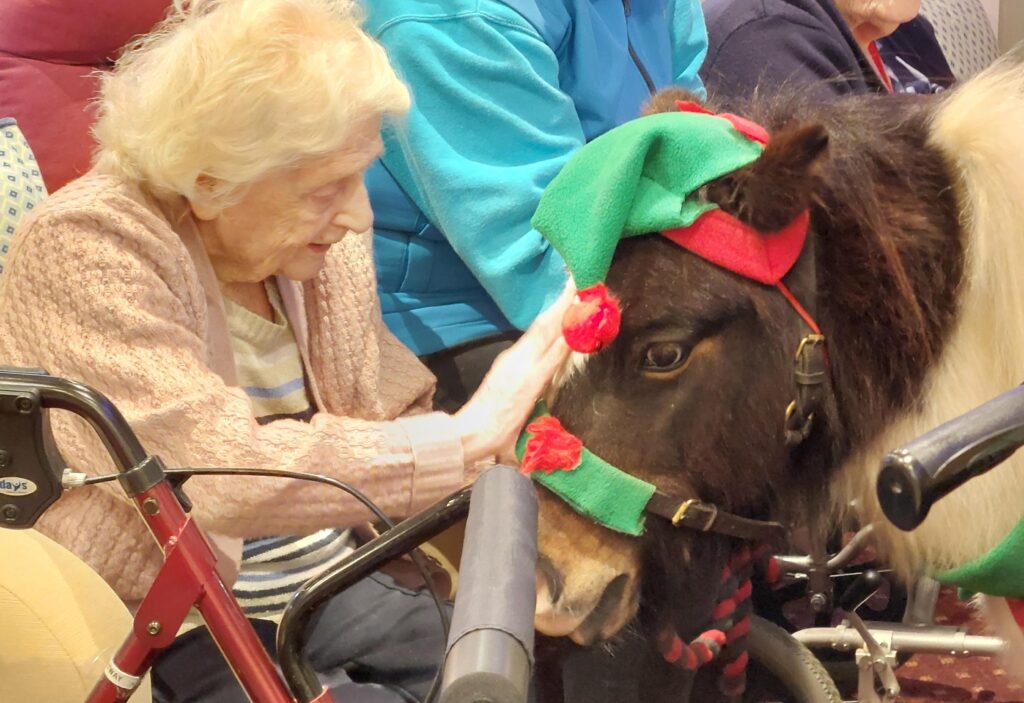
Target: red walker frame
[(188, 577)]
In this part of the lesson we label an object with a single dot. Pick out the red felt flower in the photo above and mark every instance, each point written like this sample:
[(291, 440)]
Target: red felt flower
[(551, 448), (592, 323)]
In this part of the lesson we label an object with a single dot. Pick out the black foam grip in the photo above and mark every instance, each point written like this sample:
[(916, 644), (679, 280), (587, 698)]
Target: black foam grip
[(490, 647), (919, 473)]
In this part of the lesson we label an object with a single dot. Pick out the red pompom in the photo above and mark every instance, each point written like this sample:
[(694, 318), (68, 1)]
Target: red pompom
[(551, 448), (592, 323)]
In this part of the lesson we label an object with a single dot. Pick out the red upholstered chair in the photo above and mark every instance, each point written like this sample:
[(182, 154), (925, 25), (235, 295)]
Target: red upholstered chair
[(48, 51)]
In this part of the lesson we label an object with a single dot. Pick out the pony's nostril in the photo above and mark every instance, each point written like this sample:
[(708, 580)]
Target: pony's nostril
[(596, 621), (552, 579)]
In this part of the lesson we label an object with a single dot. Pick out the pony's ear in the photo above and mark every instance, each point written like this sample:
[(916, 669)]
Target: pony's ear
[(782, 183), (665, 101)]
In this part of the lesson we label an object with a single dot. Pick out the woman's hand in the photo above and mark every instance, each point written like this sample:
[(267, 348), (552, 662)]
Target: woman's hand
[(492, 419)]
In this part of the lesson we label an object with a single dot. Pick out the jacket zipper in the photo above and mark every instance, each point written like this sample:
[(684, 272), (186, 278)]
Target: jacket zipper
[(633, 55)]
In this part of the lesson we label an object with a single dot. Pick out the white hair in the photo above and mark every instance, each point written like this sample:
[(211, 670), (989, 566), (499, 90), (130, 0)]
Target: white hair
[(224, 92)]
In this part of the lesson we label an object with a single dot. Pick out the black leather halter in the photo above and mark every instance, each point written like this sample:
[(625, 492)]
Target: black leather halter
[(709, 518), (810, 375)]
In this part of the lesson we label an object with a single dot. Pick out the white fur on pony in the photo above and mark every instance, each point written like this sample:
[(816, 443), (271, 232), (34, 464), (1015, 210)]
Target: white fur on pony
[(997, 615), (980, 128), (573, 365)]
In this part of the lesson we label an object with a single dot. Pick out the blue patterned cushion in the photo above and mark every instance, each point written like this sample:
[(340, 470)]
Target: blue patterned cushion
[(21, 186)]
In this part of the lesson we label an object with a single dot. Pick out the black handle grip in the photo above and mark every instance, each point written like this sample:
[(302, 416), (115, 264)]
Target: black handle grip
[(928, 468), (31, 467), (490, 647)]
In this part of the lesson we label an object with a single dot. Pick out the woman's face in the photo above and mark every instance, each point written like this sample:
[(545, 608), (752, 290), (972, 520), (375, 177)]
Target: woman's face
[(285, 223), (877, 18)]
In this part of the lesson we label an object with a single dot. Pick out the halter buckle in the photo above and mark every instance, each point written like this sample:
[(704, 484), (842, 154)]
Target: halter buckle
[(810, 339), (809, 374), (681, 514)]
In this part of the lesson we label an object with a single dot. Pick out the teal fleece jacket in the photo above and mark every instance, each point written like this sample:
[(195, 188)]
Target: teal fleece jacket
[(503, 93)]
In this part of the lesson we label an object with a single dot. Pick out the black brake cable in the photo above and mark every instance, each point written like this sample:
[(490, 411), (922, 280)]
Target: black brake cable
[(416, 554)]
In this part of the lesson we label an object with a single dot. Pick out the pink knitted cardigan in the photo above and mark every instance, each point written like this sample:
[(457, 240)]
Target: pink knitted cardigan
[(108, 286)]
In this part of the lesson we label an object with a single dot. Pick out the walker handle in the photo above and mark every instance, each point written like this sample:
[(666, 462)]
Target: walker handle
[(31, 467), (490, 647), (928, 468)]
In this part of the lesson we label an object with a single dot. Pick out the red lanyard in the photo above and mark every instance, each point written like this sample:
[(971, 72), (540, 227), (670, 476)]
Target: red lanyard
[(876, 59)]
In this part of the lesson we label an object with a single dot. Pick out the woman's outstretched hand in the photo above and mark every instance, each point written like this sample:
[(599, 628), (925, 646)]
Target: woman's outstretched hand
[(492, 418)]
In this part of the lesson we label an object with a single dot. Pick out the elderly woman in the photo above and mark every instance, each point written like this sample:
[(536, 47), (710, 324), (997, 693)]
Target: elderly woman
[(212, 275)]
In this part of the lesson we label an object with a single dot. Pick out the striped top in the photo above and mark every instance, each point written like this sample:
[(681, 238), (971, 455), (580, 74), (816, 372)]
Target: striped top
[(270, 370)]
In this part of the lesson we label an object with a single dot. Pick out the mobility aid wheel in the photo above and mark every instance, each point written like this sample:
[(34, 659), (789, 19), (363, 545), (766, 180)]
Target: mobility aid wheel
[(782, 669)]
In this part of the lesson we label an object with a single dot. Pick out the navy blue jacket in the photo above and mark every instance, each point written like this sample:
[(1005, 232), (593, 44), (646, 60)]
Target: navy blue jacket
[(808, 43)]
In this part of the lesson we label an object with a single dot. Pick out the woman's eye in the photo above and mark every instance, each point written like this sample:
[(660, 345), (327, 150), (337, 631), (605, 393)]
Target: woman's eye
[(663, 356), (327, 193), (322, 196)]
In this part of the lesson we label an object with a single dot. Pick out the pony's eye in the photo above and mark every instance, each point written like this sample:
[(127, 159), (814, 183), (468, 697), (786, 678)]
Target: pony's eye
[(663, 356)]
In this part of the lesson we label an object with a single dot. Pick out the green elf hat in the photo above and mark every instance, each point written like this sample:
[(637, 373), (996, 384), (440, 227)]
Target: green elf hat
[(644, 177)]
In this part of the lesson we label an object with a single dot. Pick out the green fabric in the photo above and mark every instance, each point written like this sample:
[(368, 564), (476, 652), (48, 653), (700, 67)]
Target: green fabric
[(639, 178), (1000, 572), (597, 490)]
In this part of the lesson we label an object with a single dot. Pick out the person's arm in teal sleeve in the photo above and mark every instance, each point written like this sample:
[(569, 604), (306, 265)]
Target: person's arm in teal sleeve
[(689, 44), (488, 130)]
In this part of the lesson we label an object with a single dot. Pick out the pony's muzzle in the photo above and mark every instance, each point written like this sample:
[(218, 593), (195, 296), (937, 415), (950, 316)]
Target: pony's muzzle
[(588, 623), (588, 577)]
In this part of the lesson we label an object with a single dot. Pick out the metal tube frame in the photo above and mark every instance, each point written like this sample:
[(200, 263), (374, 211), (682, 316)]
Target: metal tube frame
[(926, 639), (874, 644)]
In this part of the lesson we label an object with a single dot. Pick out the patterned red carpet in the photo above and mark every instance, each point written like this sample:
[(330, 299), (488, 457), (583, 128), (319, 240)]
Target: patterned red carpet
[(928, 678)]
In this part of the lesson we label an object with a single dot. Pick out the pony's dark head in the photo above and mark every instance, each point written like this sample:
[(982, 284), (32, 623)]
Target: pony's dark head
[(690, 396)]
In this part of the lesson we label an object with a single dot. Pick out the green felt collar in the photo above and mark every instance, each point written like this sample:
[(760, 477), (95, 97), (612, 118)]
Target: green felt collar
[(596, 489)]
